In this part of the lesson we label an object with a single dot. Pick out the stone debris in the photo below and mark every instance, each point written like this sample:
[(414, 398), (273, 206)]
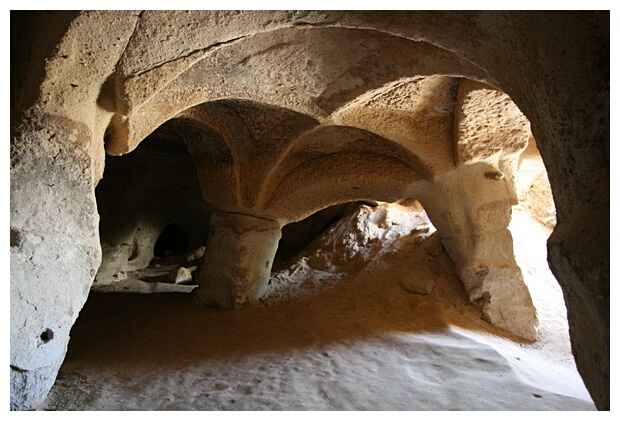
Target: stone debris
[(181, 275), (417, 285), (196, 254)]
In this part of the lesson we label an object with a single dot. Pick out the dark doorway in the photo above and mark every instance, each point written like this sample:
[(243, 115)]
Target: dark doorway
[(172, 240)]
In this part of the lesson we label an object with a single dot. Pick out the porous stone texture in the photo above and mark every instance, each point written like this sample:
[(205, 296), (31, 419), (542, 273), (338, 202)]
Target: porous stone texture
[(472, 213), (52, 265), (237, 260), (418, 113), (315, 80), (287, 113), (55, 151)]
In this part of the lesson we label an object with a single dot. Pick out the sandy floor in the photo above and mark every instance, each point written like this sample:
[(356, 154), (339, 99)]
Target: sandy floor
[(361, 343)]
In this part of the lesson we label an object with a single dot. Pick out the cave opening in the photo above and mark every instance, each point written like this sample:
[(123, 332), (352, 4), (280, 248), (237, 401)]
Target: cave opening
[(296, 236), (152, 218), (172, 240)]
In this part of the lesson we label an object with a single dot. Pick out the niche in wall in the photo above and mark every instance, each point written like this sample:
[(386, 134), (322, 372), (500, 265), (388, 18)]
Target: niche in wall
[(172, 240)]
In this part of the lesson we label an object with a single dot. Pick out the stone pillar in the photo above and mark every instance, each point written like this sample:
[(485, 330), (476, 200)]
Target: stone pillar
[(495, 282), (237, 260), (471, 208)]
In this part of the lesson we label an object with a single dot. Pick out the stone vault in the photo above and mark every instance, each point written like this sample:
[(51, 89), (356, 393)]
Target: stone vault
[(281, 114)]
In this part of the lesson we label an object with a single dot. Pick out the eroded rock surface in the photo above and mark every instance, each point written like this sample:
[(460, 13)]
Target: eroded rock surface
[(237, 260), (287, 113)]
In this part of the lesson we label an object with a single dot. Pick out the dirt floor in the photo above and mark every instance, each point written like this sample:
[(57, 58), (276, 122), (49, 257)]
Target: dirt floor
[(351, 339)]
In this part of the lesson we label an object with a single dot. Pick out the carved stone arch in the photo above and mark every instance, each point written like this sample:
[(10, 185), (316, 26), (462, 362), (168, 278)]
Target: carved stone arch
[(335, 164), (248, 136), (559, 81), (326, 67)]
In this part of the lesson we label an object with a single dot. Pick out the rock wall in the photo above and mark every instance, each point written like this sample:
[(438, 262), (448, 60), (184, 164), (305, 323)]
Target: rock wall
[(305, 85), (52, 264)]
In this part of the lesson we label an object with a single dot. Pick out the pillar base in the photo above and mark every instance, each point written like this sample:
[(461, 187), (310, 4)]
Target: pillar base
[(503, 297)]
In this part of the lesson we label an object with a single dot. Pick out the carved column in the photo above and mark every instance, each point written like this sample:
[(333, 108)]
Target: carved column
[(471, 208), (237, 260)]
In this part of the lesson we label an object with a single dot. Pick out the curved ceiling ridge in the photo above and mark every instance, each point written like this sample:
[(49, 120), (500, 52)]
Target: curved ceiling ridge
[(314, 71)]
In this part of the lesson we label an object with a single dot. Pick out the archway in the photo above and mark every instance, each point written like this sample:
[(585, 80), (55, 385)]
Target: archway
[(563, 91), (172, 240), (151, 211), (353, 163)]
